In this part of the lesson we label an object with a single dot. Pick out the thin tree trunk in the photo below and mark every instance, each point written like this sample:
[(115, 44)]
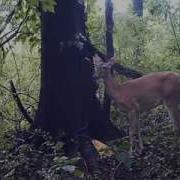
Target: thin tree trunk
[(67, 93), (174, 32), (138, 7), (109, 49)]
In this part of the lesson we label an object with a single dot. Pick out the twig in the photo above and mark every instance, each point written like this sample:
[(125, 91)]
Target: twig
[(6, 22), (6, 34), (4, 87), (20, 93), (115, 170), (9, 38), (16, 65), (9, 17), (16, 31), (19, 103), (29, 96)]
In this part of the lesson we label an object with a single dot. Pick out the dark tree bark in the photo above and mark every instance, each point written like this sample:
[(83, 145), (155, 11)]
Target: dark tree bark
[(109, 50), (67, 88), (61, 68), (109, 28)]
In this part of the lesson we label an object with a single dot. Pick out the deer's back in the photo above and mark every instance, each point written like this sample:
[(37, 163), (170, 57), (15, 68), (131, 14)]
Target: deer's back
[(149, 90)]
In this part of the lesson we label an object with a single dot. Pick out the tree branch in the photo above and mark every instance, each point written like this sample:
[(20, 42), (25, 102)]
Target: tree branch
[(9, 38), (7, 21), (9, 17), (19, 103), (15, 32), (6, 34), (20, 93)]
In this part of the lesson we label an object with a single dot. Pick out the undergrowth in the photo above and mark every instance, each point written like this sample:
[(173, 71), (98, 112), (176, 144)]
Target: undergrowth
[(36, 155)]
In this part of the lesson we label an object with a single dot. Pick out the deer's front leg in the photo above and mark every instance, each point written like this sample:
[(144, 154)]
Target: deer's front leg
[(134, 132)]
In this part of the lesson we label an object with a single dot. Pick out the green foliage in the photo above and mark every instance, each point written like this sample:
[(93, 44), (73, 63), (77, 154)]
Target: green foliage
[(48, 5), (153, 38), (158, 8), (95, 25), (21, 20), (156, 37), (21, 66)]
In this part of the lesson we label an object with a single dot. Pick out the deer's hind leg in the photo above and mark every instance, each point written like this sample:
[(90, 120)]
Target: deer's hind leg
[(172, 104), (134, 132)]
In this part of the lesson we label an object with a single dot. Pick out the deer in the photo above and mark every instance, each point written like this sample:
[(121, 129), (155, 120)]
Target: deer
[(142, 94)]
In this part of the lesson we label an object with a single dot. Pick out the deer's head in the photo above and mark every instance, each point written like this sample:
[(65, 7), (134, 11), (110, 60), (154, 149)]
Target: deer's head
[(103, 69)]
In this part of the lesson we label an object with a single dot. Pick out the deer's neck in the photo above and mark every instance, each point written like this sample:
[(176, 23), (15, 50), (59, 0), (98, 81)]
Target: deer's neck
[(111, 85)]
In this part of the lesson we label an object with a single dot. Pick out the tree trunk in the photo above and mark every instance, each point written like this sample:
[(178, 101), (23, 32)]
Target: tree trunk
[(67, 88), (109, 49), (60, 71), (68, 92)]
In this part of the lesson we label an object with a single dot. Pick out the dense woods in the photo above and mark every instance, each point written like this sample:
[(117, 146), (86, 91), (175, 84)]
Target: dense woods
[(56, 119)]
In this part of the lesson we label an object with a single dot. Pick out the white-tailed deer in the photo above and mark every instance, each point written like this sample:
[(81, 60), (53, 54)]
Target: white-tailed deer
[(144, 93)]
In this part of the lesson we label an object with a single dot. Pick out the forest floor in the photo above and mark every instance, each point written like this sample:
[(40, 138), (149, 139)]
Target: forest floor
[(160, 160)]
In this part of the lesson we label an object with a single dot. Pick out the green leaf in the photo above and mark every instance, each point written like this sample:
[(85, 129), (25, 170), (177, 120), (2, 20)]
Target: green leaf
[(48, 5), (34, 3)]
